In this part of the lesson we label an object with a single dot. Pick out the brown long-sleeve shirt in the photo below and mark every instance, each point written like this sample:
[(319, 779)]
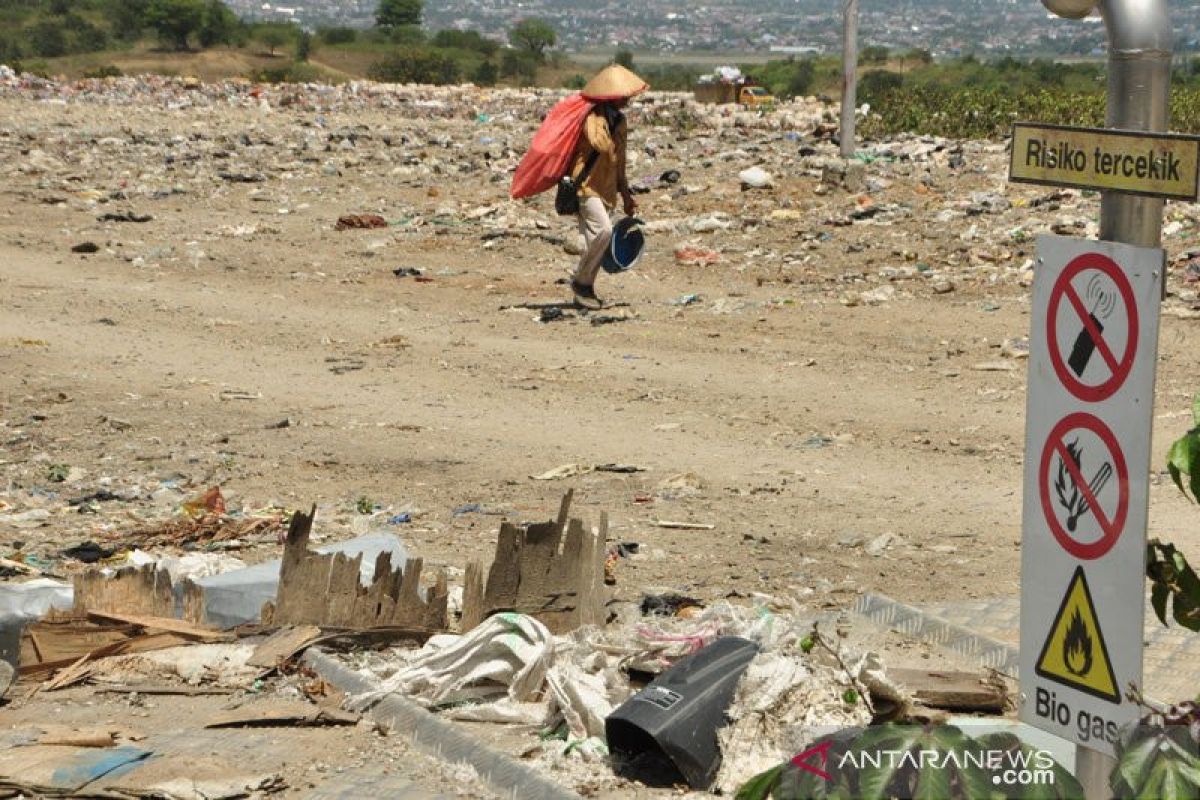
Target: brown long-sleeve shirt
[(608, 174)]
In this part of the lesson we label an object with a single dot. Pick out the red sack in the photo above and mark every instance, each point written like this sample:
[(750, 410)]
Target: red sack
[(550, 152)]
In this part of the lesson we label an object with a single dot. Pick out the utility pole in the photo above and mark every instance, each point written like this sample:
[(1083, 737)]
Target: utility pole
[(849, 75)]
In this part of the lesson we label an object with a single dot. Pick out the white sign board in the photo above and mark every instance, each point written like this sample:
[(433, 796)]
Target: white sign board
[(1090, 400)]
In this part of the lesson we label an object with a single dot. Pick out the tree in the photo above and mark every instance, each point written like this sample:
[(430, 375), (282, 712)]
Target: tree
[(534, 36), (519, 64), (174, 20), (273, 37), (217, 24), (624, 57), (128, 18), (486, 74), (46, 39), (304, 46), (803, 75), (395, 13), (408, 35), (873, 54)]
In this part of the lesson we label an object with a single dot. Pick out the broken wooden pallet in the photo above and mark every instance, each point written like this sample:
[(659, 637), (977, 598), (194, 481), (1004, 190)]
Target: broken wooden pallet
[(325, 590), (141, 591), (539, 571)]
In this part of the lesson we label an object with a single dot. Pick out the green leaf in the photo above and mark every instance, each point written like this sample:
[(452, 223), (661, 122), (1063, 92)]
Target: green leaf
[(1179, 462), (1187, 611), (760, 786), (1135, 761), (933, 784), (1158, 598), (1156, 765), (1193, 446)]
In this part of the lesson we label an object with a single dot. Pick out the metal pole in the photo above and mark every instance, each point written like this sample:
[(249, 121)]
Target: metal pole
[(849, 75), (1139, 99)]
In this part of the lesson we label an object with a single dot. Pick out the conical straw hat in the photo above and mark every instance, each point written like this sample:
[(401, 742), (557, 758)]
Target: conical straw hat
[(614, 82)]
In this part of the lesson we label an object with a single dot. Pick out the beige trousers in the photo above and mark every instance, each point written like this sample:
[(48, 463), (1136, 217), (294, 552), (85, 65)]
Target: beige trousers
[(596, 227)]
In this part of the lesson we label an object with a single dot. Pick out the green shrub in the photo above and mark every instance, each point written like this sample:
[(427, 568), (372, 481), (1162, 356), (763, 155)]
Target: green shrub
[(486, 74), (337, 35), (465, 40), (416, 65), (104, 71)]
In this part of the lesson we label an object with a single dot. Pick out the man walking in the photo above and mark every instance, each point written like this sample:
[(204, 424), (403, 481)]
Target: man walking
[(598, 168)]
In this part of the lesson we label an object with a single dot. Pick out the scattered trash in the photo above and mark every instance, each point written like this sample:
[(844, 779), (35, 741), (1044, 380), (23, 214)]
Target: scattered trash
[(685, 484), (551, 314), (360, 221), (696, 256), (755, 178), (683, 526), (669, 729), (667, 605), (565, 471), (609, 319), (686, 300), (88, 552), (86, 247), (124, 216), (406, 272)]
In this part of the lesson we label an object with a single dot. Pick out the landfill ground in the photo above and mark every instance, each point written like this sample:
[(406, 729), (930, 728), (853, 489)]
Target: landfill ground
[(840, 394)]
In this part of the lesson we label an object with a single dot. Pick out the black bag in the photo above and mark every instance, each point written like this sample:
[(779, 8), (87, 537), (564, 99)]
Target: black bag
[(566, 199)]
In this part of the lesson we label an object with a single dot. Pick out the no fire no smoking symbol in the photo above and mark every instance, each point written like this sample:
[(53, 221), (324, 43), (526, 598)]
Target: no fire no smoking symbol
[(1092, 327), (1084, 484)]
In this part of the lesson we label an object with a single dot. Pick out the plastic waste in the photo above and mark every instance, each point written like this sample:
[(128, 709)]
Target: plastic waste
[(669, 729), (553, 145), (625, 246)]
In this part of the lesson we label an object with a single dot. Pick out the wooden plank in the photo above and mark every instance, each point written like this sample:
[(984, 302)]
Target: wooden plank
[(287, 713), (168, 625), (952, 691), (180, 690), (283, 645)]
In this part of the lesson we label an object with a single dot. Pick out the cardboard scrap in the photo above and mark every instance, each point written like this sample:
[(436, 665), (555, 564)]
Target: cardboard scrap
[(317, 589), (552, 571), (57, 770)]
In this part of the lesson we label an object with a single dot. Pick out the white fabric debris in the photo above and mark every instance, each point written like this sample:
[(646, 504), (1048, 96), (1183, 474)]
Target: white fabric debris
[(503, 661)]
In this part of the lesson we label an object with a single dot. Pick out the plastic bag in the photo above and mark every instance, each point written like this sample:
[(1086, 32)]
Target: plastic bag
[(550, 152)]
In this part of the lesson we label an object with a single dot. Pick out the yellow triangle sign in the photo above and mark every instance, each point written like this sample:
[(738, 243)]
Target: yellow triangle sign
[(1075, 654)]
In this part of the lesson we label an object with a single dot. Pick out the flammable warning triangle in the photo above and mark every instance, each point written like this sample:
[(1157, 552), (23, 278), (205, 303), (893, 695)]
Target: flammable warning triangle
[(1075, 654)]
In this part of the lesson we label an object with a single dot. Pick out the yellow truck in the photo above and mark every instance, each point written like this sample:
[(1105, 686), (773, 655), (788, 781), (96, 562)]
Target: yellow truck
[(743, 93)]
